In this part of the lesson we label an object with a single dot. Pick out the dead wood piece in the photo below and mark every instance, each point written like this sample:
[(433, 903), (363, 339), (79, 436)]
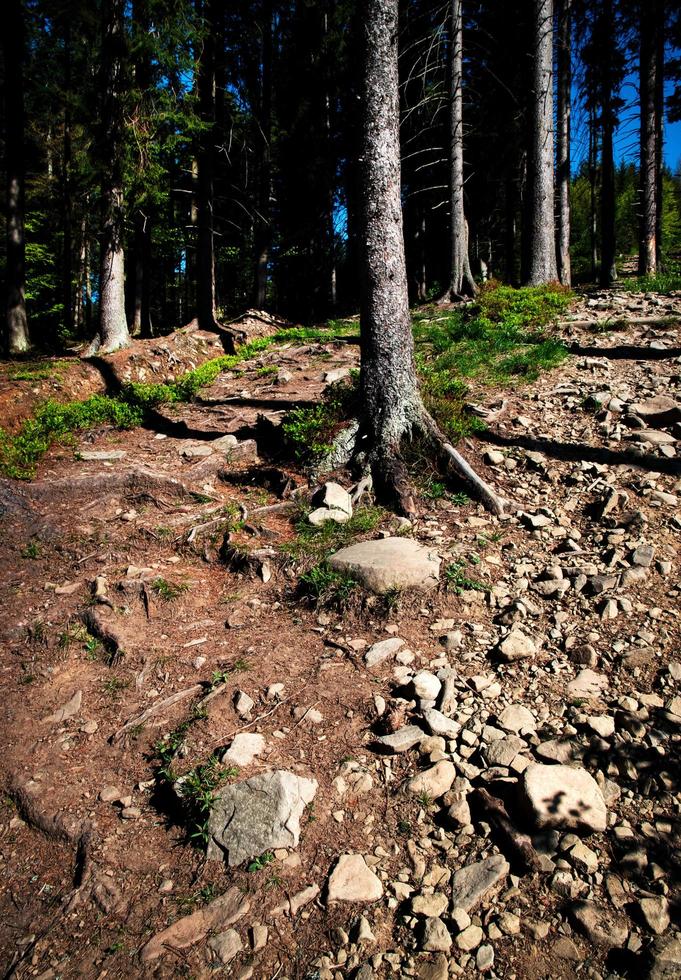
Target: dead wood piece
[(517, 843), (618, 322), (154, 709)]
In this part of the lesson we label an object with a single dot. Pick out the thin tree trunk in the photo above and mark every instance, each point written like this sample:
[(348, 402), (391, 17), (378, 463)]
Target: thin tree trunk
[(16, 324), (647, 253), (391, 404), (113, 327), (206, 175), (461, 282), (659, 124), (563, 140), (593, 155), (263, 220), (67, 218), (542, 244)]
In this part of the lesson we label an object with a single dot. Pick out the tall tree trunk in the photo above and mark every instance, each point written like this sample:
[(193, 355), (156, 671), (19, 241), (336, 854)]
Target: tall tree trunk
[(262, 227), (141, 316), (593, 156), (461, 281), (659, 11), (206, 173), (542, 243), (113, 327), (16, 324), (563, 141), (391, 404), (67, 209), (647, 253)]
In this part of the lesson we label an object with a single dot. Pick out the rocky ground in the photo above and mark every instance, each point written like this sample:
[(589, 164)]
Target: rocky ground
[(476, 773)]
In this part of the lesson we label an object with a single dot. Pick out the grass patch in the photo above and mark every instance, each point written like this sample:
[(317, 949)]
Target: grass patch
[(168, 591), (499, 340), (457, 580), (326, 587), (309, 432), (319, 542), (664, 282)]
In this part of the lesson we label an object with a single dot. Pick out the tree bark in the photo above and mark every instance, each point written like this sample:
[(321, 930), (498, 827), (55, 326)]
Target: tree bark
[(593, 156), (67, 209), (262, 227), (392, 409), (17, 339), (113, 326), (608, 273), (542, 244), (659, 11), (461, 282), (563, 141), (647, 254), (206, 174)]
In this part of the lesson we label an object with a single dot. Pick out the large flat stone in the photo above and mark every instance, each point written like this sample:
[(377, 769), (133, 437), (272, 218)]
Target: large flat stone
[(391, 563), (564, 797), (352, 880), (258, 815), (471, 884)]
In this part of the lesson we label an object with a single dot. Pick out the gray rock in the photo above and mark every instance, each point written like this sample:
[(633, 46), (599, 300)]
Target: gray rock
[(587, 685), (655, 912), (101, 455), (391, 563), (653, 437), (243, 703), (470, 938), (426, 685), (600, 927), (352, 880), (433, 782), (440, 724), (516, 717), (334, 497), (484, 958), (516, 646), (556, 750), (243, 750), (379, 652), (196, 450), (226, 945), (323, 514), (436, 938), (470, 885), (503, 751), (665, 960), (563, 797), (257, 815), (402, 740), (225, 443)]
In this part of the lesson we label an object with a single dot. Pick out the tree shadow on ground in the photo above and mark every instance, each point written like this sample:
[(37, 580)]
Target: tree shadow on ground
[(580, 452), (626, 352)]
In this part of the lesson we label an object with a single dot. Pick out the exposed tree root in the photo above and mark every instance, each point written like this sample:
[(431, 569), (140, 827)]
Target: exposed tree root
[(154, 709), (101, 484), (391, 477), (519, 845), (94, 619)]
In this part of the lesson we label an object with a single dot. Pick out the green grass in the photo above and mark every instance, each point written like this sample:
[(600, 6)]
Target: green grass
[(168, 591), (328, 588), (457, 579), (664, 282), (320, 542), (501, 339), (54, 422)]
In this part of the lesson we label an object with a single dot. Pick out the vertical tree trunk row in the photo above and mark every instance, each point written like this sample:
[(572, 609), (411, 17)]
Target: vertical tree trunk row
[(542, 244), (16, 322), (564, 88)]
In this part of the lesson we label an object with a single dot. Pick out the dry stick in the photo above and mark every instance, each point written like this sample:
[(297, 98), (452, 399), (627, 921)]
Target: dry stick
[(519, 844), (488, 497), (224, 738), (188, 692)]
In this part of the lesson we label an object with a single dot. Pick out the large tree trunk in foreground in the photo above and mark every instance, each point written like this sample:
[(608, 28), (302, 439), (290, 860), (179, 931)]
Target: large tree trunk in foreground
[(16, 324), (647, 253), (205, 285), (563, 141), (608, 120), (542, 244), (262, 226), (392, 409), (113, 326), (461, 282)]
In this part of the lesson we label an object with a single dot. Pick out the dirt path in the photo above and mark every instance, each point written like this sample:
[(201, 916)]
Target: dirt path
[(94, 857)]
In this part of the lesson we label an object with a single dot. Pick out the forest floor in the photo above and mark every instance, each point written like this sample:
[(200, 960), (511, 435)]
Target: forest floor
[(118, 593)]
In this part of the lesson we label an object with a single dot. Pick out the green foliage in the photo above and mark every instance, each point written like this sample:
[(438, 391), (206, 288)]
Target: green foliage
[(498, 340), (53, 422), (309, 431), (261, 862), (458, 581), (168, 591), (32, 550), (664, 282), (327, 587), (222, 675), (319, 542)]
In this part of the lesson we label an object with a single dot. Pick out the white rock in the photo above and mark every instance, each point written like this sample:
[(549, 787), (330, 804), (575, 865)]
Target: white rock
[(243, 750), (563, 797), (391, 563), (353, 881), (433, 782)]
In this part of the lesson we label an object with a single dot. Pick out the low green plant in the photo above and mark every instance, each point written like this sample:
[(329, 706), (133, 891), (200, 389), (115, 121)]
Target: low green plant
[(222, 675), (309, 431), (197, 790), (324, 586), (666, 281), (261, 862), (267, 371), (32, 550), (168, 591), (114, 685), (318, 542), (457, 580)]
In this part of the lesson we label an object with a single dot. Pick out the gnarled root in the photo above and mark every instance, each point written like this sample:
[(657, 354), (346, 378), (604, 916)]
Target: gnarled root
[(392, 482)]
